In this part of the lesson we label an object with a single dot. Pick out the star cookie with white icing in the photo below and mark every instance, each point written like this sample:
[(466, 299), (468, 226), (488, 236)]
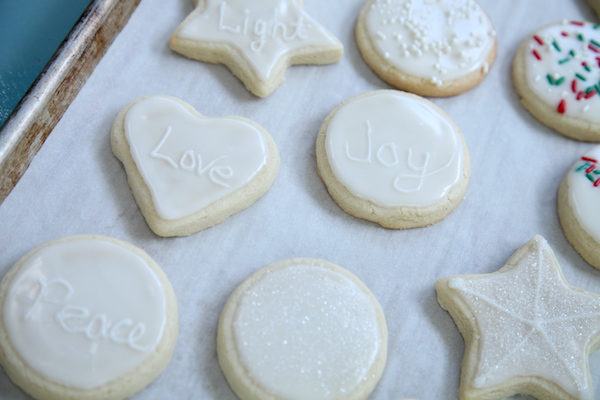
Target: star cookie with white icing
[(256, 39), (526, 329)]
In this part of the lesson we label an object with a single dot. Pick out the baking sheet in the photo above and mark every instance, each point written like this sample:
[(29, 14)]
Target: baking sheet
[(76, 186)]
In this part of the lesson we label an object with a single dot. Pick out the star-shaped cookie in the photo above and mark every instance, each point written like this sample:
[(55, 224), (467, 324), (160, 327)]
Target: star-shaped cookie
[(256, 39), (526, 330)]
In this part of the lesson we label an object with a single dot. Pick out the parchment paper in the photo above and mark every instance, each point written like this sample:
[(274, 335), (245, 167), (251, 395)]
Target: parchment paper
[(76, 186)]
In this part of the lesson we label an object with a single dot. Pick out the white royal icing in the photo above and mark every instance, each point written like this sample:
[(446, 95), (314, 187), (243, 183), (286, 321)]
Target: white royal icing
[(394, 150), (532, 323), (584, 192), (84, 312), (439, 40), (189, 162), (262, 30), (563, 65), (307, 332)]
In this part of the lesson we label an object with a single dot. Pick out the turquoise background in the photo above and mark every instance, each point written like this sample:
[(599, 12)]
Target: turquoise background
[(30, 33)]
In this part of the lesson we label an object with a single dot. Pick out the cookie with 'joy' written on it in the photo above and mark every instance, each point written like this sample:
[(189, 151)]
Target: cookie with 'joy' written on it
[(393, 158), (86, 318), (302, 329), (556, 71), (256, 39), (431, 48), (188, 172), (526, 330), (578, 200)]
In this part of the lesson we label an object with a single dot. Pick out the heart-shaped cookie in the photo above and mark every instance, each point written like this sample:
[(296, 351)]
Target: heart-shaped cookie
[(189, 172)]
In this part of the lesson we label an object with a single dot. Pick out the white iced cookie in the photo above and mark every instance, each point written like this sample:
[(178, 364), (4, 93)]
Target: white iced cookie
[(189, 172), (302, 329), (556, 71), (431, 48), (578, 201), (86, 317), (393, 158), (526, 330), (256, 39)]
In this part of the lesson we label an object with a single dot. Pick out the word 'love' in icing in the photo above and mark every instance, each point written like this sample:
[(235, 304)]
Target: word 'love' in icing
[(77, 319), (187, 162)]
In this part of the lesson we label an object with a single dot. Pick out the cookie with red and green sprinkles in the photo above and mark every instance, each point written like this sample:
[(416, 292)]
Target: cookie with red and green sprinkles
[(578, 199), (556, 72)]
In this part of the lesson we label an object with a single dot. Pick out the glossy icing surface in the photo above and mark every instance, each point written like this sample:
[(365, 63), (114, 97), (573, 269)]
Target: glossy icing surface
[(438, 40), (84, 312), (394, 150), (262, 30), (563, 68), (189, 162), (532, 323), (584, 192), (307, 332)]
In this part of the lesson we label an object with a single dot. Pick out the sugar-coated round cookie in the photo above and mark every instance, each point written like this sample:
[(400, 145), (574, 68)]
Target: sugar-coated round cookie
[(86, 317), (189, 172), (578, 200), (431, 48), (556, 71), (393, 158), (302, 329)]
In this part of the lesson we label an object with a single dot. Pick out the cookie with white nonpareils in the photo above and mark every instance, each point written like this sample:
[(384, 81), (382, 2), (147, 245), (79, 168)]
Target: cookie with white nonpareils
[(302, 329), (189, 172), (556, 72), (431, 48), (578, 200), (256, 39), (393, 158), (86, 317), (526, 330)]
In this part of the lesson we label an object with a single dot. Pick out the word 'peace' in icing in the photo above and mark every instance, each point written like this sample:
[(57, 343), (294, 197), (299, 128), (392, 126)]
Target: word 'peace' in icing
[(187, 162), (76, 319)]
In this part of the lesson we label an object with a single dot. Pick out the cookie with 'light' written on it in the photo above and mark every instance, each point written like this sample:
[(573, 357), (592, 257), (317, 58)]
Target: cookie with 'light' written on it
[(393, 158), (526, 330), (431, 48), (578, 200), (85, 318), (189, 172), (556, 71), (256, 39)]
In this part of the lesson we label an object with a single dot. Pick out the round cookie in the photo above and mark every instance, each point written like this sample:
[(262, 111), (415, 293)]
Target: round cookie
[(302, 329), (578, 199), (393, 158), (556, 72), (188, 172), (441, 48), (86, 317)]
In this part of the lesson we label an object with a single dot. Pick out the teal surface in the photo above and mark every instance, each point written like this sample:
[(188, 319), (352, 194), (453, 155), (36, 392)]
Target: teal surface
[(30, 33)]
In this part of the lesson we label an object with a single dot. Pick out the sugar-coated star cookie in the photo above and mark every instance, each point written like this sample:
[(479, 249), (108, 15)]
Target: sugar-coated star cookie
[(431, 48), (302, 329), (189, 172), (393, 158), (556, 71), (526, 330), (256, 39), (578, 200), (86, 317)]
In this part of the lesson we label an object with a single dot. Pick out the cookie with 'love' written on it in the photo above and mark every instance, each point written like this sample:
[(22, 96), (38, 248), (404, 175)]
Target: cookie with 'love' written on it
[(393, 158), (556, 71), (431, 48), (86, 318), (188, 172), (256, 39)]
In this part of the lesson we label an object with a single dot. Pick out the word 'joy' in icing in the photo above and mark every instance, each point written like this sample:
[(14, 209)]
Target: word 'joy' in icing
[(394, 150), (563, 68), (439, 41)]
